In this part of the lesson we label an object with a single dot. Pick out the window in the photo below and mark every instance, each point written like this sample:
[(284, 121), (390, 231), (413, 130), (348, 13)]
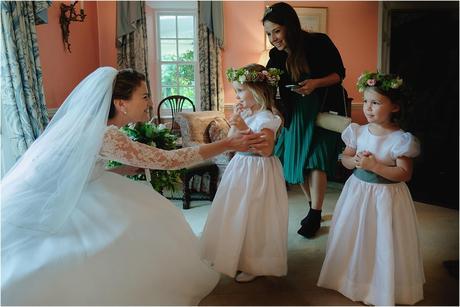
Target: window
[(177, 55)]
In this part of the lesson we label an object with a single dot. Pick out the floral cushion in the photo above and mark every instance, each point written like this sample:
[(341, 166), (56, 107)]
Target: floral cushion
[(194, 126), (218, 129), (197, 130)]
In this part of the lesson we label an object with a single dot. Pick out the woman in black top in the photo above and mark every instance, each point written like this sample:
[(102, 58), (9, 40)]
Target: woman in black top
[(311, 61)]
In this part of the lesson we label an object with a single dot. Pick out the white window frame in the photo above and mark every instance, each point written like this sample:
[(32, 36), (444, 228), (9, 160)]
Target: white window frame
[(174, 12)]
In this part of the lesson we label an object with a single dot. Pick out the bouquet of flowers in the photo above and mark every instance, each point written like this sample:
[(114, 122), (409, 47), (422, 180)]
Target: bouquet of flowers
[(160, 137)]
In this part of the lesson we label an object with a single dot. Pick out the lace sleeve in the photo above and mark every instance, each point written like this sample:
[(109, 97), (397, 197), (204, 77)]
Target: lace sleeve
[(117, 146)]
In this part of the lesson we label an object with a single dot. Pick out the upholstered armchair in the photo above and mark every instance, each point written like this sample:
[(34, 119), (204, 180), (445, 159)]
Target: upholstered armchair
[(205, 127), (200, 128)]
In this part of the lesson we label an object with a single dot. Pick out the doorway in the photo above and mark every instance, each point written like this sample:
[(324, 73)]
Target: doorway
[(423, 49)]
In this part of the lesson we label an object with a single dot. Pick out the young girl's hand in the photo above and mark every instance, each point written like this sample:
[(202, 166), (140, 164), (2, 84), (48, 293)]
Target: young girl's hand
[(237, 108), (357, 159), (367, 162), (237, 121)]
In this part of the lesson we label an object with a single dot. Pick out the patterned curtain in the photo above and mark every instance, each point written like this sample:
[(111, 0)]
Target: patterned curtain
[(132, 37), (210, 42), (23, 109)]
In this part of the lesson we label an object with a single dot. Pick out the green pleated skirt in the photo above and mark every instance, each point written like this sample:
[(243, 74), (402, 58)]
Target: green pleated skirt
[(304, 146)]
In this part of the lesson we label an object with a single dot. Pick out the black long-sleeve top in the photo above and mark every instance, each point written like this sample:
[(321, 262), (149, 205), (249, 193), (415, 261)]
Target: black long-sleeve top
[(323, 59)]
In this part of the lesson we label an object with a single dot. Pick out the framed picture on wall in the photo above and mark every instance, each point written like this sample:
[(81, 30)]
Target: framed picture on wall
[(312, 19)]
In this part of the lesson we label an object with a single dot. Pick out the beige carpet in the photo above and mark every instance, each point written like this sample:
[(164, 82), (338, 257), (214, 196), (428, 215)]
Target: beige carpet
[(439, 238)]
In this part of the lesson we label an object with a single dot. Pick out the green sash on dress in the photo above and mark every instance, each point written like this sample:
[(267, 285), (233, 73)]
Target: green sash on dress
[(248, 153), (371, 177)]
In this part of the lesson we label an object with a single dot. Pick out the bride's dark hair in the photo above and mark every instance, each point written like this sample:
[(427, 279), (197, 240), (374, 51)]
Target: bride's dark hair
[(126, 81)]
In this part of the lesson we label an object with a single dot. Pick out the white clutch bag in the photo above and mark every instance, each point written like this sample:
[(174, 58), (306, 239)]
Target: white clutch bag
[(332, 122)]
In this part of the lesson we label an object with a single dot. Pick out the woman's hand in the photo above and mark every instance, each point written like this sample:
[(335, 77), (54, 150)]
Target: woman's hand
[(265, 147), (306, 87), (238, 142), (246, 141)]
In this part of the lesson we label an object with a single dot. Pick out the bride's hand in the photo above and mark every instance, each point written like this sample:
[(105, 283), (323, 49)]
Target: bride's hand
[(245, 141)]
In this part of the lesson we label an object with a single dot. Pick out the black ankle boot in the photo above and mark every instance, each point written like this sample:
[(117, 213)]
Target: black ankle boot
[(304, 220), (310, 224)]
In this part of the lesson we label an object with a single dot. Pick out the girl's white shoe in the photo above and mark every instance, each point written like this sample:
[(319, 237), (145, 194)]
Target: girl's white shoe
[(245, 277)]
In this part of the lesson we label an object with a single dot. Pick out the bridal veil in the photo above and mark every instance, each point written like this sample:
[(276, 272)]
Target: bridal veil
[(42, 188)]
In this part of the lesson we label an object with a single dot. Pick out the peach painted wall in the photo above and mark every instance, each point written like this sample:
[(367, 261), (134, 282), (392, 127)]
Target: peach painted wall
[(243, 38), (352, 26), (107, 12), (62, 70)]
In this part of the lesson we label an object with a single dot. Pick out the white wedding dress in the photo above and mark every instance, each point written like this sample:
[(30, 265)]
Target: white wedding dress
[(122, 244)]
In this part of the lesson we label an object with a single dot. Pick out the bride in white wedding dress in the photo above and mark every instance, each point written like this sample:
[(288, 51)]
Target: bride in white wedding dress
[(75, 234)]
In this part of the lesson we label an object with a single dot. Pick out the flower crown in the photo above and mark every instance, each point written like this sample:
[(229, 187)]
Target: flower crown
[(242, 75), (381, 81)]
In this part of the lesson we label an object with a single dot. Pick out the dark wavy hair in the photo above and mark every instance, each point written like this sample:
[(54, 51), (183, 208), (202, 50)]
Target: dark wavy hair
[(283, 14), (125, 83), (401, 98)]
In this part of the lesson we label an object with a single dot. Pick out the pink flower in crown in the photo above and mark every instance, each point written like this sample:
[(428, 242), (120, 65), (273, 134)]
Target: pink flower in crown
[(371, 82), (265, 72)]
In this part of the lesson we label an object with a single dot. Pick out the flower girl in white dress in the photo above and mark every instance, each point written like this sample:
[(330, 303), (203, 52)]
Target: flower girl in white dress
[(75, 234), (373, 252), (246, 229)]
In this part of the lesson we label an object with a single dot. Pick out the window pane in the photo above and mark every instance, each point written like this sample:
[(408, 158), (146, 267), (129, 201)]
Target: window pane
[(185, 50), (168, 50), (185, 26), (168, 74), (168, 91), (167, 26), (177, 36), (186, 75), (188, 92)]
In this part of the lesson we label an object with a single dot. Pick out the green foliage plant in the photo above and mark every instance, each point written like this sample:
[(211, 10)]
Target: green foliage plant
[(159, 137)]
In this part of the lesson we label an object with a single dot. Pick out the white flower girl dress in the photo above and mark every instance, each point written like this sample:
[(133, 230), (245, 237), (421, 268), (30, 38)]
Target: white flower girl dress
[(247, 225), (373, 253)]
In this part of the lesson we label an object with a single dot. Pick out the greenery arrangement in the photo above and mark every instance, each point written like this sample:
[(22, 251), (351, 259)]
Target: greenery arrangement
[(159, 137)]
